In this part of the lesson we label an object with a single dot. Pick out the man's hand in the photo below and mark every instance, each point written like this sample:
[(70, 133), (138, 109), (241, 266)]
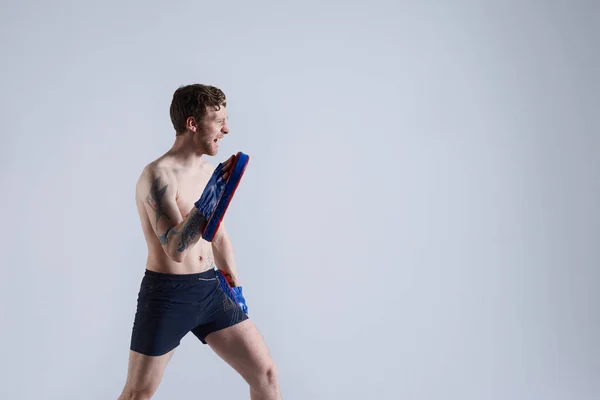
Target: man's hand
[(226, 166)]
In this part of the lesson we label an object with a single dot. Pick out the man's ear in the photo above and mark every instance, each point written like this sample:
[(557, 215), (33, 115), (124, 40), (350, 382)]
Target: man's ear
[(191, 124)]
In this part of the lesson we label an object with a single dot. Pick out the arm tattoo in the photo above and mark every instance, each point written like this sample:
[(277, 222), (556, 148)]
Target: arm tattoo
[(164, 239), (191, 230), (155, 199)]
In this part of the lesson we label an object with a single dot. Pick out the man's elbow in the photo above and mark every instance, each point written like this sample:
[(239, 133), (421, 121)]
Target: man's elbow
[(220, 237), (177, 257), (174, 254)]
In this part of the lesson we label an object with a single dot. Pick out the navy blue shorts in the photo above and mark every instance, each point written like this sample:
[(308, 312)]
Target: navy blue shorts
[(169, 306)]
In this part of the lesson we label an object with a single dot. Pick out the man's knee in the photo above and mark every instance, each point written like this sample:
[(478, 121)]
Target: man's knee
[(266, 377), (271, 375)]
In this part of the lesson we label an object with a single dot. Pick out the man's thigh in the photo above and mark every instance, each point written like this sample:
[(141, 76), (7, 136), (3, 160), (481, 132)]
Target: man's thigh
[(243, 348), (145, 373)]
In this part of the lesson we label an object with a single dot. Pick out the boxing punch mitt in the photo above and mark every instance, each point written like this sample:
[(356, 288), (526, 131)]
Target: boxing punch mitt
[(234, 293), (218, 193)]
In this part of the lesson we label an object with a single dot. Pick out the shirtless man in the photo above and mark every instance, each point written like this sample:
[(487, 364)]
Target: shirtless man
[(183, 288)]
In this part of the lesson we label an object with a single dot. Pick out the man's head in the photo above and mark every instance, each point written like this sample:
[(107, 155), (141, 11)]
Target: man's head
[(200, 111)]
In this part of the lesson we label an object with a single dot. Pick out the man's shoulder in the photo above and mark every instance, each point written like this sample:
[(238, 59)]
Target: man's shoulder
[(209, 167), (155, 172), (151, 169)]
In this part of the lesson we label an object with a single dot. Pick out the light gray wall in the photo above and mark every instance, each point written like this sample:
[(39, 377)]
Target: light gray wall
[(419, 219)]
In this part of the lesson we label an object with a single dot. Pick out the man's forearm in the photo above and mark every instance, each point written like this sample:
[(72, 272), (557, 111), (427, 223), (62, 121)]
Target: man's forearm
[(179, 239), (224, 258)]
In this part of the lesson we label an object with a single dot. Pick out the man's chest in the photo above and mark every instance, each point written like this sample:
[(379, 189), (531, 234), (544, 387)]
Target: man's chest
[(189, 190)]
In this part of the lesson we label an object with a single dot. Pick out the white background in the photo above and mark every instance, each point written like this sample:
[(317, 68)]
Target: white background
[(419, 219)]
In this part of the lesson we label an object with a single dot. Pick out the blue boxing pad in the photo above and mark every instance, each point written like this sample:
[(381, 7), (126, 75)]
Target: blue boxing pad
[(218, 194), (234, 293), (239, 295)]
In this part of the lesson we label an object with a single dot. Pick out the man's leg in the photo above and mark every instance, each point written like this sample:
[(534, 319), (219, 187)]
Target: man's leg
[(144, 375), (244, 349)]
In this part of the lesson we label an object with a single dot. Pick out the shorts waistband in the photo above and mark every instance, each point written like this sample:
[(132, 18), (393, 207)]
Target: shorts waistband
[(208, 274)]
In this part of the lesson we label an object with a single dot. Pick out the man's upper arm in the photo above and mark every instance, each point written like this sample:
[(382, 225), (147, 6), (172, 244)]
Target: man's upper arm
[(158, 191)]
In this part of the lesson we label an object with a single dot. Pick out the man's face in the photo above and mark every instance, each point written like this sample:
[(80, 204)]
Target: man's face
[(211, 130)]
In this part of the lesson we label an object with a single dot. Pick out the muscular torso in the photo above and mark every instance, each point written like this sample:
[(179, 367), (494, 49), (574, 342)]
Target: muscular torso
[(190, 183)]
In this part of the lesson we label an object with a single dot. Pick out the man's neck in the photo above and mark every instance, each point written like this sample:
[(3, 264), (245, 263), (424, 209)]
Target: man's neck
[(186, 154)]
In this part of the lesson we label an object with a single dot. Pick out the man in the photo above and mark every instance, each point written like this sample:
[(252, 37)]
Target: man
[(181, 201)]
